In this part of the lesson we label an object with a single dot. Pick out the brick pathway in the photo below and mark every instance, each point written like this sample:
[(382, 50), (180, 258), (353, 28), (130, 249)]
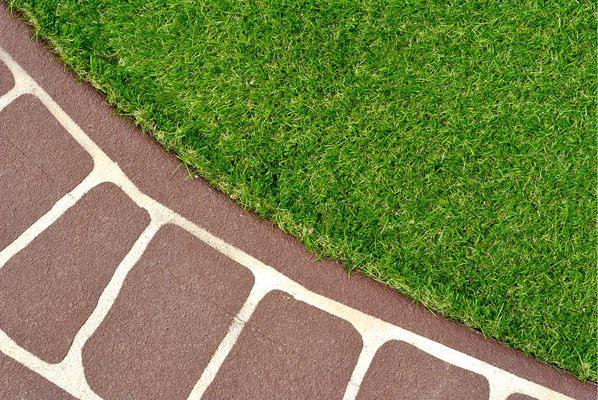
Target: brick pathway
[(121, 278)]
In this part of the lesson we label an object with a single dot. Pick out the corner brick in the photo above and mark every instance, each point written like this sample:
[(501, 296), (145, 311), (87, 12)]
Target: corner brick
[(41, 162), (18, 382), (400, 370)]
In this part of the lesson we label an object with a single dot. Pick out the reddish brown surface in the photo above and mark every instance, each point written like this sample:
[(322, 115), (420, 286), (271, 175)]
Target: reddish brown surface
[(19, 383), (6, 79), (173, 311), (40, 164), (289, 350), (50, 288), (519, 396), (162, 330), (400, 370)]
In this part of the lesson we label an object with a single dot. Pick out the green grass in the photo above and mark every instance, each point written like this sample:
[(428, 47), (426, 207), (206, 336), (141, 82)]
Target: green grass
[(448, 150)]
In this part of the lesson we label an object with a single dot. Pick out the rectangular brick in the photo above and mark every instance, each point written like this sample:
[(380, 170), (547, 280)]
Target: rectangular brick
[(173, 311), (40, 164), (288, 350), (400, 370)]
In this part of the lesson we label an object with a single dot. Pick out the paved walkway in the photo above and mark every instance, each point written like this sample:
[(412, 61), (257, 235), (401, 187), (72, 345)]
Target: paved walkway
[(121, 278)]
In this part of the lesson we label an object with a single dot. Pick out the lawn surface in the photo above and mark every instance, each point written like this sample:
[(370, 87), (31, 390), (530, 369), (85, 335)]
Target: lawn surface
[(447, 150)]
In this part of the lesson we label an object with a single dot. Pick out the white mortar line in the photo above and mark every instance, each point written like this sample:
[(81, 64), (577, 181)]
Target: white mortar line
[(69, 373), (22, 82), (11, 96), (59, 208), (259, 290), (73, 362), (371, 344), (59, 374), (25, 83), (501, 392), (365, 324)]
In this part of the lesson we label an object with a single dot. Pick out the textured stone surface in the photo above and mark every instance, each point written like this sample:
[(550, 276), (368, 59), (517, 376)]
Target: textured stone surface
[(49, 289), (6, 79), (19, 383), (40, 164), (400, 370), (288, 350), (519, 396), (174, 309)]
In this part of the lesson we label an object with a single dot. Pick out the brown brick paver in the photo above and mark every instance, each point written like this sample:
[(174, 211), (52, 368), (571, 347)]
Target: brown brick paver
[(6, 79), (400, 370), (40, 164), (20, 383), (289, 350), (174, 309), (519, 396), (49, 289)]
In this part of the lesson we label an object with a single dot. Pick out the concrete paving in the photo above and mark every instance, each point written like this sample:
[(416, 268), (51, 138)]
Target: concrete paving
[(123, 278)]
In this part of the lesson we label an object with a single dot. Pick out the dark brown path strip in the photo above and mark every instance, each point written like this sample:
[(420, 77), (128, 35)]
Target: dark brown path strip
[(158, 175)]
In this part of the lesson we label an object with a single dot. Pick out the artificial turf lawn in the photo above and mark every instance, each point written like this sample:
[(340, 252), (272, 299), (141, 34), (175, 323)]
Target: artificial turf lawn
[(445, 149)]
